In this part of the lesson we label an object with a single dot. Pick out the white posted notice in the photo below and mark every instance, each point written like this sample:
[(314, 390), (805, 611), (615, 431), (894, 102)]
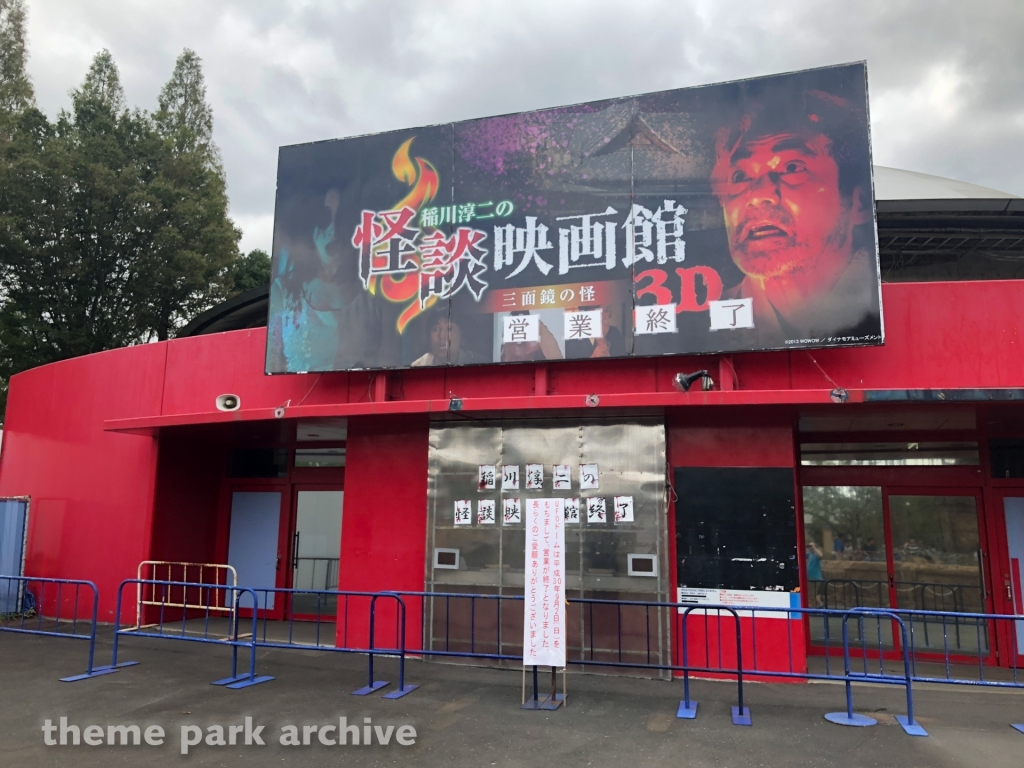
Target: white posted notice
[(544, 601)]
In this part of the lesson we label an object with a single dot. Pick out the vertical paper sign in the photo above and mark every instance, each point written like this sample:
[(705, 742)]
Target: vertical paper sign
[(596, 510), (561, 477), (535, 477), (485, 512), (572, 511), (544, 598), (511, 512), (623, 509), (463, 512), (589, 477), (510, 477), (485, 478)]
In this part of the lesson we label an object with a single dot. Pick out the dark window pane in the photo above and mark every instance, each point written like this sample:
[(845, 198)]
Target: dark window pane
[(259, 462), (736, 528), (1006, 457)]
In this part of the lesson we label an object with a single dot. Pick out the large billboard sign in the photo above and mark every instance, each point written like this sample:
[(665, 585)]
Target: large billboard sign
[(723, 218)]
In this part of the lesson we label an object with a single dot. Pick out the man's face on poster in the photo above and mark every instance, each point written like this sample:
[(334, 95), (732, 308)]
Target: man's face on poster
[(443, 335), (782, 204)]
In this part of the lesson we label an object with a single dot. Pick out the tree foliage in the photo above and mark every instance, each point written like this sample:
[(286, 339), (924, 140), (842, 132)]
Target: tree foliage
[(114, 225), (251, 271), (15, 88)]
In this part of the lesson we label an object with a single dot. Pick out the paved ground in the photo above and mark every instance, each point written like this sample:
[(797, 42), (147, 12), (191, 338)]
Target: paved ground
[(471, 717)]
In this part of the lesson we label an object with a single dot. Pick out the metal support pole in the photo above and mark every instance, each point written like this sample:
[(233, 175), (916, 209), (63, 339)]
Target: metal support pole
[(848, 717)]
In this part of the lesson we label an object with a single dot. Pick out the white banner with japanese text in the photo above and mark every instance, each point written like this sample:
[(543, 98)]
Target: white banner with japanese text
[(544, 630)]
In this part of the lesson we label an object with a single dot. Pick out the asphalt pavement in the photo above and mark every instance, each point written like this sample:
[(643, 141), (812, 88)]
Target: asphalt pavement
[(462, 716)]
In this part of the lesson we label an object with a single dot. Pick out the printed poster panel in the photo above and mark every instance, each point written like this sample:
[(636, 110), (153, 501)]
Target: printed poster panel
[(544, 627), (742, 601), (723, 218)]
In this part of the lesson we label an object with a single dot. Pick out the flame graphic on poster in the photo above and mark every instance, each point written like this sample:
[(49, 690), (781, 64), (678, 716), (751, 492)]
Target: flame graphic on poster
[(423, 178)]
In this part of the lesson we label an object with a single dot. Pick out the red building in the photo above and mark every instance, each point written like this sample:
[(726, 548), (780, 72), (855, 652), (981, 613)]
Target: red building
[(902, 465)]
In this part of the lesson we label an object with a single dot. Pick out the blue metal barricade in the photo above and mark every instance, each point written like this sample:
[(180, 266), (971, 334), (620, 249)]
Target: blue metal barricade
[(173, 629), (306, 628), (465, 642), (437, 630), (484, 627), (44, 611)]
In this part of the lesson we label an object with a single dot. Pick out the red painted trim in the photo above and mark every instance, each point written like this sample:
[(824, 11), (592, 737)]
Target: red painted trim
[(620, 400)]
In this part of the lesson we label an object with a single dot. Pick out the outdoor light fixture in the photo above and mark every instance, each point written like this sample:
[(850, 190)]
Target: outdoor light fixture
[(455, 403), (683, 381)]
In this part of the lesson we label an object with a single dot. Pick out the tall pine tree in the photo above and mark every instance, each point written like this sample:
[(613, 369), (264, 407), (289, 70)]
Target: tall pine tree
[(195, 242), (15, 87), (113, 222)]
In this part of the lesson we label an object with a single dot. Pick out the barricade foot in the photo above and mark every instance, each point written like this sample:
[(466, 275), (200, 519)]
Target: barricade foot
[(687, 712), (547, 702), (400, 692), (1018, 726), (914, 729), (246, 682), (229, 680), (95, 673), (367, 690), (741, 718), (114, 667), (858, 721)]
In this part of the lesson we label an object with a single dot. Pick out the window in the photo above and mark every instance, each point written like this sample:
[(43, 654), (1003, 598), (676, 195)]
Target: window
[(1006, 457), (903, 454), (319, 457), (258, 462)]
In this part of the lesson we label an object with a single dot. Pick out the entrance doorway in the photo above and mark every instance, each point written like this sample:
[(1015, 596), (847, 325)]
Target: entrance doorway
[(254, 546), (316, 550), (912, 548), (288, 537)]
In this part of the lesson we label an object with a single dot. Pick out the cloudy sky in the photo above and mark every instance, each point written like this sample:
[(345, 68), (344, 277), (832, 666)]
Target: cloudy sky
[(946, 78)]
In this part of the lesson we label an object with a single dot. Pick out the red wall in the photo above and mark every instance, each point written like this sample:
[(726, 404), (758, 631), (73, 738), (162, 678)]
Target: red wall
[(190, 472), (384, 526), (93, 491), (938, 335)]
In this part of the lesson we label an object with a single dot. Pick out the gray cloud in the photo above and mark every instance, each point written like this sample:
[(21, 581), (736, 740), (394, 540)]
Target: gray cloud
[(945, 77)]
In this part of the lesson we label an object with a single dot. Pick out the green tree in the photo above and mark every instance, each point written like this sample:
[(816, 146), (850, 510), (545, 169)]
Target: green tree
[(113, 222), (16, 96), (184, 116), (196, 243), (251, 271), (15, 87)]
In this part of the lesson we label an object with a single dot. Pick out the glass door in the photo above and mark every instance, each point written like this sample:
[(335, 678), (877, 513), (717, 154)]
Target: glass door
[(845, 557), (916, 549), (316, 550), (938, 566)]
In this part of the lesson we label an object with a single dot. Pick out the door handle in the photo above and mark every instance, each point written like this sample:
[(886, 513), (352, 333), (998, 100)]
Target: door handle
[(1009, 592), (278, 563), (295, 551)]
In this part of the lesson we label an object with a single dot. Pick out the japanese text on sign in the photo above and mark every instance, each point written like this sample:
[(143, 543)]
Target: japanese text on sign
[(544, 632)]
